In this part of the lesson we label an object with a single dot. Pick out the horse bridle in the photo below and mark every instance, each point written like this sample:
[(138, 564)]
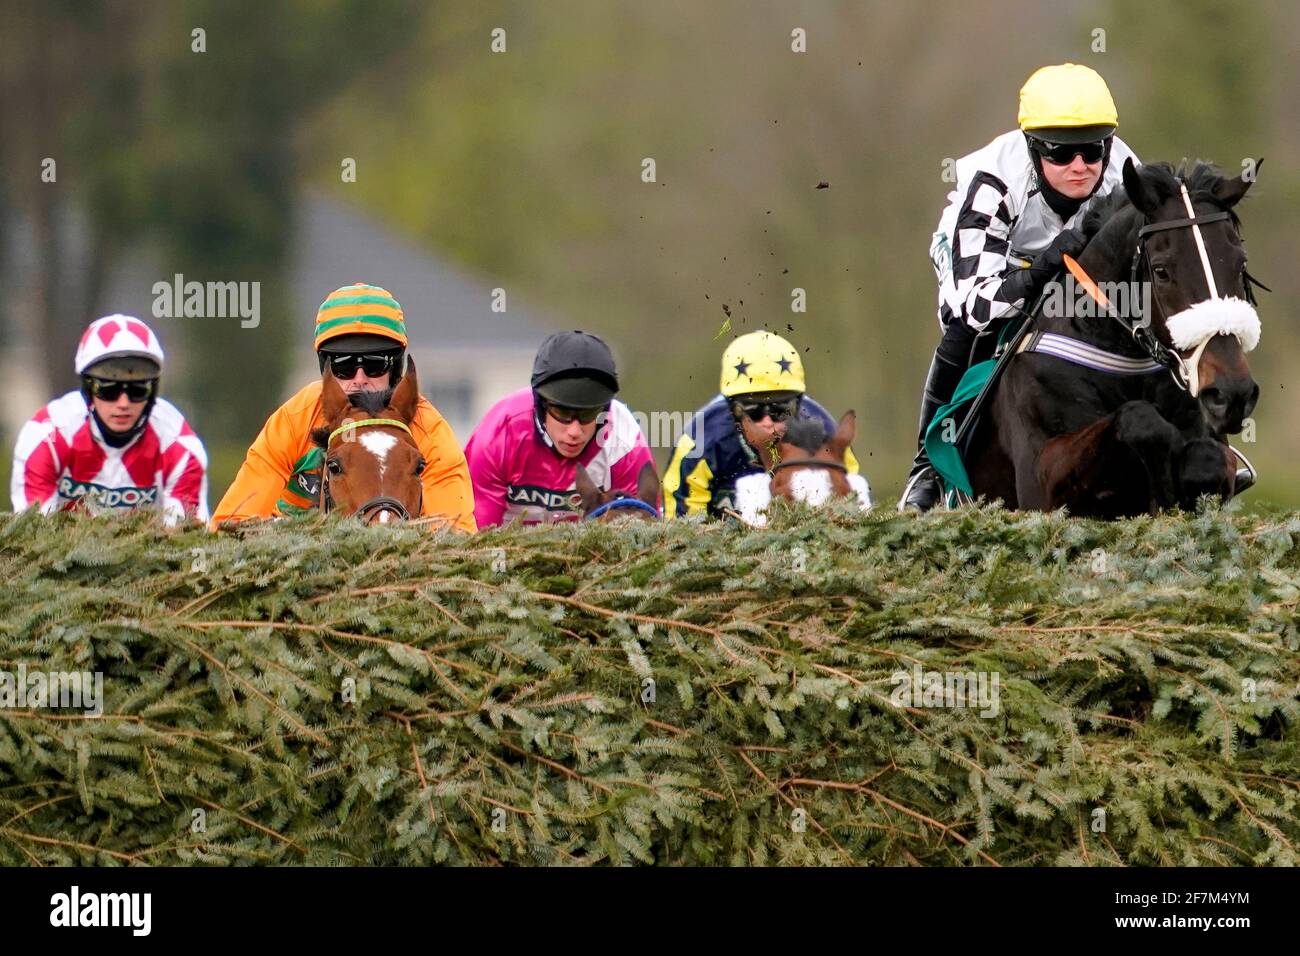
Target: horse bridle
[(379, 502), (1141, 330)]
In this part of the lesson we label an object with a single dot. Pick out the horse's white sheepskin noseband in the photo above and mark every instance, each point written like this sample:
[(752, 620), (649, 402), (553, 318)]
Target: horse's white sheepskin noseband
[(754, 494), (1194, 327), (1203, 321)]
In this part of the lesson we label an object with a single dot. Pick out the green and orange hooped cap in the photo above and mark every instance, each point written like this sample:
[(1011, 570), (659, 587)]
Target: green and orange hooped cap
[(360, 309)]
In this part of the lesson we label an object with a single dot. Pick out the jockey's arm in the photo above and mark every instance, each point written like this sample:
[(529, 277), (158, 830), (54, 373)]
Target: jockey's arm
[(625, 472), (486, 476), (447, 489), (36, 467), (185, 480), (1024, 285), (980, 244), (688, 481)]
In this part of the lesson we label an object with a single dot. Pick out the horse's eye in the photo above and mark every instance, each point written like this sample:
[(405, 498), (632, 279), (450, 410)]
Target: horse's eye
[(334, 466), (419, 466)]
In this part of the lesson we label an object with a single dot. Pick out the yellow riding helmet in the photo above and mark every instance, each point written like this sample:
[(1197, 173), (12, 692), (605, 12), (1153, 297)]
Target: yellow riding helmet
[(761, 362), (1066, 96)]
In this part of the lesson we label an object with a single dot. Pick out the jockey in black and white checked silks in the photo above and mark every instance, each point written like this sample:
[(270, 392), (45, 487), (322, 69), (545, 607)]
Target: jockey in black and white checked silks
[(1005, 228), (996, 219)]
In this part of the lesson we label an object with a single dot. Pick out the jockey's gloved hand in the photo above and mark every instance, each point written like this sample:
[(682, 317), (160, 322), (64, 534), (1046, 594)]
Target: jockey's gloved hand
[(1047, 265), (1050, 261)]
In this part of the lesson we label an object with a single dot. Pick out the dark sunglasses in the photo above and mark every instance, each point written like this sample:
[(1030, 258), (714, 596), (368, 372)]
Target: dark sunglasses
[(779, 411), (112, 391), (345, 366), (1062, 154), (566, 416)]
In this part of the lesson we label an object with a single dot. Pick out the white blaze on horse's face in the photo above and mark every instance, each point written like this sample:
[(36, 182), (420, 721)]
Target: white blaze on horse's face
[(379, 444), (811, 486)]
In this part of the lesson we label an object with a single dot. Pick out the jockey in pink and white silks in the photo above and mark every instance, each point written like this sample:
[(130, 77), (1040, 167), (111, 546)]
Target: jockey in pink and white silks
[(524, 455), (114, 443)]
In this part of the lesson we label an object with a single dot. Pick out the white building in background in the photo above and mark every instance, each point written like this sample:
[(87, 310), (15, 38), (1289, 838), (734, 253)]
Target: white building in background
[(467, 355)]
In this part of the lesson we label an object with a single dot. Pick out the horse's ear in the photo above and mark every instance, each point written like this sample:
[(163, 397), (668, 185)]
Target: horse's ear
[(406, 397), (845, 432), (1140, 193), (1231, 191), (587, 490), (647, 485), (333, 400)]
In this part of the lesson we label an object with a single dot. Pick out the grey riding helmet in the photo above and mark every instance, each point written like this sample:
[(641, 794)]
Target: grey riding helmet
[(575, 370)]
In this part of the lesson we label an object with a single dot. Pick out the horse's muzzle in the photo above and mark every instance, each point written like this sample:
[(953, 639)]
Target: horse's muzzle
[(1226, 405), (382, 509)]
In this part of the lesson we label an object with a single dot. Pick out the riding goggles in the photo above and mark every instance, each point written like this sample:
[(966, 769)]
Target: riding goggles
[(1062, 154), (344, 366), (779, 411), (111, 391), (567, 416)]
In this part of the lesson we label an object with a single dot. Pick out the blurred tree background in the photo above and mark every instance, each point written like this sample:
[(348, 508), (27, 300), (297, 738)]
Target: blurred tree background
[(524, 167)]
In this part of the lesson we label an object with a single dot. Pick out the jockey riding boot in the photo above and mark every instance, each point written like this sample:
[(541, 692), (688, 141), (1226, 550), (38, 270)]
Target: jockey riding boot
[(922, 491)]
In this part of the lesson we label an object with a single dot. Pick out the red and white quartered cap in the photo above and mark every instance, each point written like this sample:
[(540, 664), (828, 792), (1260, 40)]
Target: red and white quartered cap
[(117, 336)]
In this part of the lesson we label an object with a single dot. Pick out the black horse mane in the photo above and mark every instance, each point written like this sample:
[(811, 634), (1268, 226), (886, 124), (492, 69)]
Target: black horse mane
[(1202, 179), (370, 402), (807, 434)]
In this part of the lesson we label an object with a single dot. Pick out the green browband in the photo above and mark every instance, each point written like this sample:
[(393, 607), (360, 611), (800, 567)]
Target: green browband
[(348, 426)]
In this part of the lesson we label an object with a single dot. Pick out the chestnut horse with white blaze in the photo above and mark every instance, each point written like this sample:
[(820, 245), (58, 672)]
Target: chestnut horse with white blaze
[(372, 463)]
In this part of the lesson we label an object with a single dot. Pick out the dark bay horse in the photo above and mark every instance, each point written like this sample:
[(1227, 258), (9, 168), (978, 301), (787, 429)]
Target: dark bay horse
[(373, 466), (1113, 415)]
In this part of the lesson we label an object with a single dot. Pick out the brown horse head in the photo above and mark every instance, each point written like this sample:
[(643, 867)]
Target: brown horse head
[(605, 505), (1217, 366), (811, 463), (373, 466)]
